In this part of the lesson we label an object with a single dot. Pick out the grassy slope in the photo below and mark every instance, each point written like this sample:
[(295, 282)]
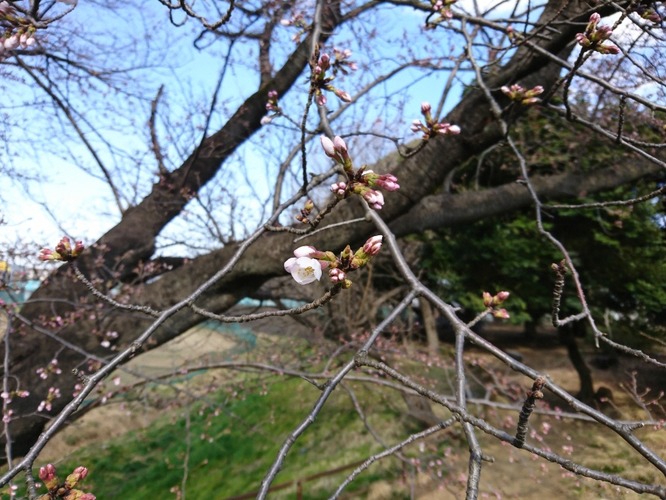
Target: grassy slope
[(229, 453)]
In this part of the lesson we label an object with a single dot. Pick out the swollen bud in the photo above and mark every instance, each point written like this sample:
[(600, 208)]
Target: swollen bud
[(373, 245), (79, 474), (48, 475)]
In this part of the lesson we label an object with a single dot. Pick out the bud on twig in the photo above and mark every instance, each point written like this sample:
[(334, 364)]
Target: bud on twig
[(528, 408)]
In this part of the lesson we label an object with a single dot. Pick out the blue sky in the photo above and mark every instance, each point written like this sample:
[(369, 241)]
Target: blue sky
[(82, 203)]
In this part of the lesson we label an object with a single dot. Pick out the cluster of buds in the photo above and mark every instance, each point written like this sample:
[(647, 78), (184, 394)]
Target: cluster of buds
[(8, 396), (342, 62), (320, 81), (297, 21), (308, 263), (63, 251), (51, 368), (443, 8), (272, 103), (66, 490), (305, 212), (649, 13), (512, 34), (19, 32), (525, 97), (271, 106), (18, 40), (492, 303), (360, 182), (594, 37), (432, 127), (46, 404), (110, 337)]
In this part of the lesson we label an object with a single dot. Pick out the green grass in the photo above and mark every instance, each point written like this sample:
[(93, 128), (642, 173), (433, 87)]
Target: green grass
[(230, 453)]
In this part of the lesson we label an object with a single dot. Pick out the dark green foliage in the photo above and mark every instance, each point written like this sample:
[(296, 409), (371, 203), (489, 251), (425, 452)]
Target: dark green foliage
[(619, 251)]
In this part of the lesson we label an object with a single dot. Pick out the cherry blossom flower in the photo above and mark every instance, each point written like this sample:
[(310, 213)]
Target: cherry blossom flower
[(304, 270)]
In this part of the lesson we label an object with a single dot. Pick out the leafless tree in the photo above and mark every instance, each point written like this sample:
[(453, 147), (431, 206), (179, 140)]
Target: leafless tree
[(192, 178)]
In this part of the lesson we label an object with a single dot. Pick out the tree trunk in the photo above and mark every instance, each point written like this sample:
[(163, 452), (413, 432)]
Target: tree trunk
[(131, 242), (567, 334), (430, 327)]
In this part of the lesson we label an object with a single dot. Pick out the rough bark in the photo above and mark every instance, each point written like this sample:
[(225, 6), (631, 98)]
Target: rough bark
[(568, 334), (413, 208), (430, 327)]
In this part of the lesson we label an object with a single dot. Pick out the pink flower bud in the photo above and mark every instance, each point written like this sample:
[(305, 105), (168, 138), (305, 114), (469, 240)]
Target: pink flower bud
[(373, 245), (608, 48), (48, 475), (426, 108), (603, 33), (47, 254), (388, 182), (501, 296), (6, 8), (78, 248), (339, 189), (343, 96), (534, 91), (328, 146), (487, 299), (77, 475), (336, 275), (64, 247), (417, 126), (374, 198), (340, 145), (12, 42), (501, 314), (446, 129), (304, 251), (595, 18), (582, 40)]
